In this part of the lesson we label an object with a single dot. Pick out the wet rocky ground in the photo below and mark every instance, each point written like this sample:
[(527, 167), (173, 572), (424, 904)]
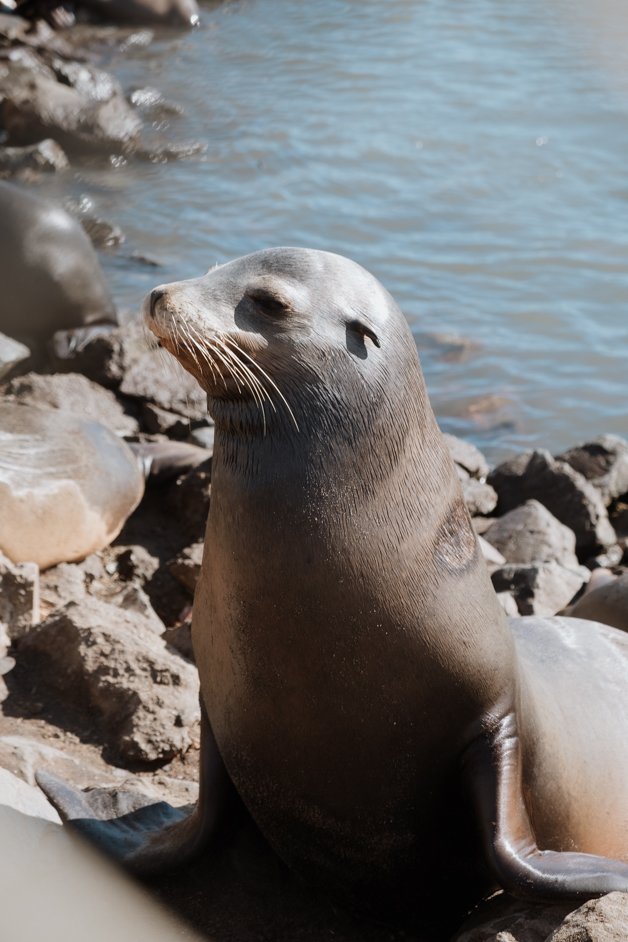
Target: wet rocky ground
[(97, 680)]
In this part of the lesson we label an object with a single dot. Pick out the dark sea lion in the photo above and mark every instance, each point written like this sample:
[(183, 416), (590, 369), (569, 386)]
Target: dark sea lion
[(392, 737), (50, 275), (150, 12)]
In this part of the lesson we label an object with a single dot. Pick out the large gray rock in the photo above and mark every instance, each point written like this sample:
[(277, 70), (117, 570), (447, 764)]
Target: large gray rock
[(166, 384), (71, 392), (19, 597), (109, 661), (565, 493), (100, 355), (479, 496), (467, 456), (603, 462), (12, 353), (35, 105), (531, 534), (26, 163), (599, 920), (541, 588)]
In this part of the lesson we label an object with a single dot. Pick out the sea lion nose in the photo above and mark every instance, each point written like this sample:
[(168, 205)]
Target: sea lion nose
[(155, 297)]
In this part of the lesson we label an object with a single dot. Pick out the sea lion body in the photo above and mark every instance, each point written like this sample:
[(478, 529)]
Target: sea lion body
[(389, 733), (50, 275)]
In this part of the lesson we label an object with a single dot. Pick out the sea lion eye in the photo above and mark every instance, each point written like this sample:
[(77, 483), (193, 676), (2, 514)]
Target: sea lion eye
[(268, 302)]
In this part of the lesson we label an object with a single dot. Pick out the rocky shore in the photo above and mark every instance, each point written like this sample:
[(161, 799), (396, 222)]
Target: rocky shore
[(97, 681)]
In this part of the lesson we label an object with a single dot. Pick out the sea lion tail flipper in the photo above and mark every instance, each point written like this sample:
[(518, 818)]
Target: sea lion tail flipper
[(492, 767), (145, 836)]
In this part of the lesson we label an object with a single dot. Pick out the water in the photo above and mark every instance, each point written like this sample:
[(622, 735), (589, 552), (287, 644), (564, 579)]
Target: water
[(472, 154)]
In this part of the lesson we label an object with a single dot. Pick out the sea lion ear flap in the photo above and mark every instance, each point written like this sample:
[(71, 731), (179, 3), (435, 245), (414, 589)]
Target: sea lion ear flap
[(365, 331)]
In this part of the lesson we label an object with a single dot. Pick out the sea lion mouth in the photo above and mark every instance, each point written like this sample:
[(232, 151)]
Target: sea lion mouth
[(218, 362)]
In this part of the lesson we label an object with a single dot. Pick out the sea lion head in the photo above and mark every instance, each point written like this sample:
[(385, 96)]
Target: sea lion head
[(288, 336)]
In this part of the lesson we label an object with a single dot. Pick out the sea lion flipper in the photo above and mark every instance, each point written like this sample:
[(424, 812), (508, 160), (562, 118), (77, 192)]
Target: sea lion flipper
[(492, 766), (147, 837)]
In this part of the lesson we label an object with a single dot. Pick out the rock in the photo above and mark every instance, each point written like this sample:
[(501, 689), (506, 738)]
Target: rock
[(108, 661), (479, 497), (504, 919), (101, 356), (599, 920), (14, 793), (541, 588), (103, 234), (531, 534), (169, 387), (619, 515), (467, 456), (26, 163), (508, 603), (565, 493), (135, 563), (19, 597), (203, 436), (159, 421), (190, 498), (12, 353), (77, 476), (34, 106), (94, 84), (59, 585), (71, 392), (603, 462), (492, 556), (186, 566)]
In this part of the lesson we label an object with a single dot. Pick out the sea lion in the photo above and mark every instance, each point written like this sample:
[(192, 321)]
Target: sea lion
[(67, 485), (151, 12), (605, 601), (50, 275), (392, 737)]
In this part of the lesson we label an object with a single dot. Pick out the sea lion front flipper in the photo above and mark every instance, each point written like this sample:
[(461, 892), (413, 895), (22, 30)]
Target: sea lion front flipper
[(147, 838), (492, 766)]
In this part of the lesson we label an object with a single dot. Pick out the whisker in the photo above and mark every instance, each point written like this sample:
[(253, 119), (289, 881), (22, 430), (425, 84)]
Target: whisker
[(266, 376)]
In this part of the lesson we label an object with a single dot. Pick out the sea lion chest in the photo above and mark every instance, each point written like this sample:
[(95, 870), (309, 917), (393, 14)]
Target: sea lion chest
[(337, 734)]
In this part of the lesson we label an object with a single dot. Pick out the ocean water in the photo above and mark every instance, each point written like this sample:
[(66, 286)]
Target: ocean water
[(472, 154)]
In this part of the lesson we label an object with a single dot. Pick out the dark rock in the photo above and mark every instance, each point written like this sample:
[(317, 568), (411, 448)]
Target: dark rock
[(34, 106), (92, 83), (135, 563), (190, 499), (104, 235), (565, 493), (19, 597), (504, 919), (619, 515), (539, 589), (603, 462), (598, 920), (102, 659), (72, 392), (170, 388), (158, 421), (99, 355), (186, 567), (26, 163), (531, 534), (12, 353), (467, 456), (60, 585)]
